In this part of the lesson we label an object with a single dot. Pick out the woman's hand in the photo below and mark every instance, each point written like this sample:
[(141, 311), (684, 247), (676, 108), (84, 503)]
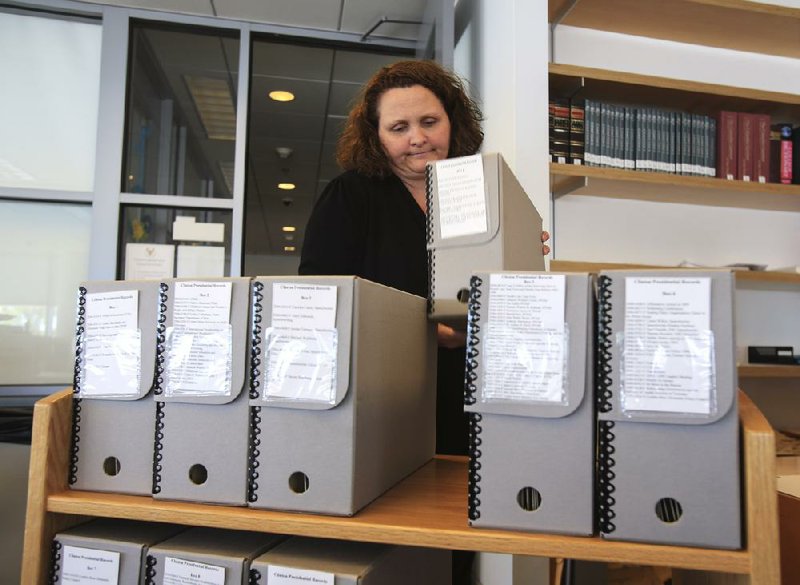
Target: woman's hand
[(545, 247), (450, 338)]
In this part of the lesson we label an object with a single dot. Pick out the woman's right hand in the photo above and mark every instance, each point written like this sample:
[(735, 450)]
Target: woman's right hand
[(450, 338)]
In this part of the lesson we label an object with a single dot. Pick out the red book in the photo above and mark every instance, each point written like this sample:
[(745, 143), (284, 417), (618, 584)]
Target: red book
[(786, 162), (745, 142), (727, 137), (761, 144)]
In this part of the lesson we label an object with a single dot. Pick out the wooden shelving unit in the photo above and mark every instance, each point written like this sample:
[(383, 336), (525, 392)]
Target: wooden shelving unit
[(730, 24), (426, 509), (769, 371)]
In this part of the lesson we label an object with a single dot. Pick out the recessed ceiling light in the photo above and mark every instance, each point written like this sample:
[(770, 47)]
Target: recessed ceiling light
[(289, 237), (289, 228), (281, 96), (286, 186), (289, 248)]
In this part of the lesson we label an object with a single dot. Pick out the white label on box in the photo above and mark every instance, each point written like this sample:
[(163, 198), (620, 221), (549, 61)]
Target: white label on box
[(667, 347), (112, 348), (183, 572), (200, 358), (277, 575), (525, 338), (304, 307), (461, 198), (88, 566)]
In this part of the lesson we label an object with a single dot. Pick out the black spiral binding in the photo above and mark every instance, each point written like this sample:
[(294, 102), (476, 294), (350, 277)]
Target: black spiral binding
[(474, 500), (76, 388), (606, 477), (55, 562), (158, 447), (254, 442), (473, 329), (255, 346), (429, 236), (254, 578), (161, 341), (603, 346), (150, 570)]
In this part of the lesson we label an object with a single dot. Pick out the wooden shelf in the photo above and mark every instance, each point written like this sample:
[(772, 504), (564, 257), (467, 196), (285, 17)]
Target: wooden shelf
[(768, 371), (765, 277), (729, 24), (668, 188), (689, 96), (426, 509)]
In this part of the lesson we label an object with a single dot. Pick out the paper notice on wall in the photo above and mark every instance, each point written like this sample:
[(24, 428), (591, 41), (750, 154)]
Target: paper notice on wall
[(460, 197), (277, 575), (201, 261), (149, 261), (199, 357), (525, 340), (89, 566), (186, 572), (301, 343), (667, 357), (112, 348)]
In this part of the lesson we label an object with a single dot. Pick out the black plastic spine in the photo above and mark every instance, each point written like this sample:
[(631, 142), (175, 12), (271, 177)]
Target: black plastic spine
[(256, 340), (150, 570), (474, 476), (77, 379), (603, 346), (55, 562), (605, 477), (254, 578), (161, 340), (253, 452), (473, 340), (429, 228), (158, 447)]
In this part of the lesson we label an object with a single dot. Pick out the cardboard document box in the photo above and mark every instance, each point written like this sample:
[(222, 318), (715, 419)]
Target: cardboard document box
[(479, 219), (528, 394), (315, 560), (106, 551), (113, 410), (202, 414), (669, 460), (342, 392), (207, 555)]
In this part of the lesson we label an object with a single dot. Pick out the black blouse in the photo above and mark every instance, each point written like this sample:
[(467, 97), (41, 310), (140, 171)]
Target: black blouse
[(374, 229)]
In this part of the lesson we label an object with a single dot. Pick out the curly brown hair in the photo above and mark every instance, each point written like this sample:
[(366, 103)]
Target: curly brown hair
[(359, 147)]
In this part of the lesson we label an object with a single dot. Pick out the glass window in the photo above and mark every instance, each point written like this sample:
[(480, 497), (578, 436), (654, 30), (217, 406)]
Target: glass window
[(45, 256), (291, 144), (188, 242), (48, 105), (181, 111)]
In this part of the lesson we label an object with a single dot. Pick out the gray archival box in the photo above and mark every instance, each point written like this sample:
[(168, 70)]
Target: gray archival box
[(511, 239), (336, 456), (669, 477), (112, 438), (201, 441), (532, 463)]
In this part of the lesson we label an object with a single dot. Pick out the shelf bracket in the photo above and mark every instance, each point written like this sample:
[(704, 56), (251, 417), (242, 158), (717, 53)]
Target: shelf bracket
[(567, 185), (557, 19)]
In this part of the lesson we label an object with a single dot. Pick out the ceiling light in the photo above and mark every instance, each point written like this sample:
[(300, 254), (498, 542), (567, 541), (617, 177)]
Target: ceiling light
[(286, 186), (289, 228), (289, 237), (284, 151), (213, 100), (281, 96), (289, 248)]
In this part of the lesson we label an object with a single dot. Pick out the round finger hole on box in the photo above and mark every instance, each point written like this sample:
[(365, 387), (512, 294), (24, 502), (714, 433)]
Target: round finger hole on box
[(463, 295), (198, 474), (669, 510), (298, 482), (111, 466), (529, 499)]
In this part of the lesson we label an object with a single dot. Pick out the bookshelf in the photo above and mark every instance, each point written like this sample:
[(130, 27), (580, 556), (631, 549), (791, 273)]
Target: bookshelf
[(740, 25), (426, 509)]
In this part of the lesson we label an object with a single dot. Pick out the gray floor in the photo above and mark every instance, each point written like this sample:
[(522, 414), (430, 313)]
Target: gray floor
[(13, 496)]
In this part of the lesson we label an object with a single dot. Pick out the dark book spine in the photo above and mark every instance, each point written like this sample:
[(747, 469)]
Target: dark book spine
[(785, 164), (590, 132), (761, 148), (712, 146), (577, 131), (559, 132), (744, 163), (727, 142)]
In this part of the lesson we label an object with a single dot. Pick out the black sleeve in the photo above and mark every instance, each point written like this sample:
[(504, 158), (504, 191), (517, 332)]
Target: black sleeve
[(334, 236)]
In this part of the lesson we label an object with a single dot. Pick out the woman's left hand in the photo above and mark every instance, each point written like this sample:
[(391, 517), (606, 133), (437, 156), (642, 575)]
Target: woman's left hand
[(545, 247)]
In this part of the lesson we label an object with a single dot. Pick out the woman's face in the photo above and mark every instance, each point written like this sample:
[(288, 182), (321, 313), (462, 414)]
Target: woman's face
[(414, 130)]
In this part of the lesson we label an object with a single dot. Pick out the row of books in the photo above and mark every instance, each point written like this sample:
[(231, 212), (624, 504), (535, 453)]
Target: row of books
[(730, 145)]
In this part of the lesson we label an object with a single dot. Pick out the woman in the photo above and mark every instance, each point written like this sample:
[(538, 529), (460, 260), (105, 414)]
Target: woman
[(370, 220)]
